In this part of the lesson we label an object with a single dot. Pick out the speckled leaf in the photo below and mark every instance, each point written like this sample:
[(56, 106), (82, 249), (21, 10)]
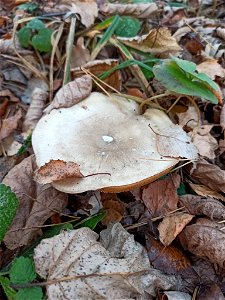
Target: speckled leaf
[(8, 204)]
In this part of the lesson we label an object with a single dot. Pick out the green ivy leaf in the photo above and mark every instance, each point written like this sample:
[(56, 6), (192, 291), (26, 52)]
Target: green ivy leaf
[(42, 40), (128, 27), (24, 36), (8, 207), (34, 293), (5, 283), (35, 24), (179, 76), (22, 270), (29, 7)]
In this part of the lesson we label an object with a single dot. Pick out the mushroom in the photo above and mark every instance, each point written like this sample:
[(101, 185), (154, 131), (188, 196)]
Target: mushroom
[(114, 146)]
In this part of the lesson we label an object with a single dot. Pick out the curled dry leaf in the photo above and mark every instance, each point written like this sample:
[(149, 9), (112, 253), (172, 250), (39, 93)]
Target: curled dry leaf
[(117, 267), (8, 93), (8, 125), (160, 197), (189, 118), (210, 175), (37, 203), (207, 206), (171, 226), (221, 32), (205, 239), (157, 41), (97, 67), (204, 141), (168, 259), (114, 208), (140, 10), (204, 191), (57, 170), (35, 109), (71, 93), (175, 295), (80, 54), (87, 9)]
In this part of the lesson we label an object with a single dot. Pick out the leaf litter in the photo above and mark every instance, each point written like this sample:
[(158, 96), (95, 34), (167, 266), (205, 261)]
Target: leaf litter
[(163, 233)]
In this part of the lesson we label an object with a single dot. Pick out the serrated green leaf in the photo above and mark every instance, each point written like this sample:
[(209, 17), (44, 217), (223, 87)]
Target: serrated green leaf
[(42, 40), (35, 24), (24, 36), (33, 293), (128, 27), (177, 80), (5, 283), (22, 270), (29, 7), (8, 207)]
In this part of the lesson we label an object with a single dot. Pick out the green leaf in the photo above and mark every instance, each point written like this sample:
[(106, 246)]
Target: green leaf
[(174, 77), (26, 145), (29, 7), (5, 283), (33, 293), (128, 27), (92, 221), (8, 204), (24, 36), (35, 24), (22, 270), (182, 189), (104, 24), (42, 40)]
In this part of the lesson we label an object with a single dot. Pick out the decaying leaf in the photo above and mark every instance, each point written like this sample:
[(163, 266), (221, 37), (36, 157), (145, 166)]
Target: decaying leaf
[(205, 239), (222, 117), (210, 175), (8, 125), (160, 197), (114, 208), (87, 9), (80, 54), (140, 10), (117, 267), (171, 226), (204, 191), (197, 205), (8, 93), (37, 203), (72, 93), (212, 68), (189, 118), (204, 141), (157, 41), (97, 67), (168, 259), (57, 170), (175, 295), (210, 292), (35, 109)]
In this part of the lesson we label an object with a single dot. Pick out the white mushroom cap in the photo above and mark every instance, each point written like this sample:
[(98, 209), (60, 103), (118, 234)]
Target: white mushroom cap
[(103, 135)]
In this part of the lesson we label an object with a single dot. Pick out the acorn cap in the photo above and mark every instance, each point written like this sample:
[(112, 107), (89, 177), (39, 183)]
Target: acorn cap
[(113, 145)]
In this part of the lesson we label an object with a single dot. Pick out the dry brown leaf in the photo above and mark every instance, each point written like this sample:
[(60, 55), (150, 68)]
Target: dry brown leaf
[(205, 239), (57, 170), (87, 9), (114, 208), (97, 67), (204, 141), (204, 191), (7, 47), (157, 41), (222, 117), (8, 125), (160, 197), (8, 93), (207, 206), (80, 54), (209, 175), (37, 203), (189, 118), (168, 259), (171, 226), (117, 267), (140, 10), (212, 68), (35, 109), (71, 93), (221, 32), (6, 164), (210, 292)]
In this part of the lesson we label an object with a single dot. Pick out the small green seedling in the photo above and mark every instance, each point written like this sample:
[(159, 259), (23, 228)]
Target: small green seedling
[(36, 34)]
